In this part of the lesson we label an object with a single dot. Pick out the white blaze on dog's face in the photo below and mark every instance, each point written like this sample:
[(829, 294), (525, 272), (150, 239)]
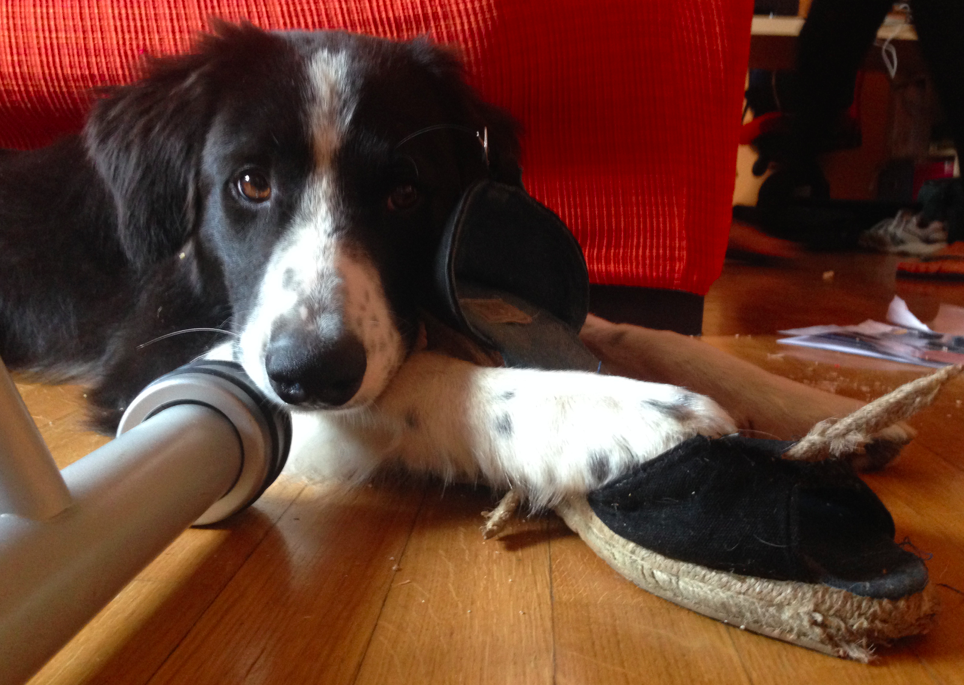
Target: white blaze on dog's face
[(328, 171), (322, 333)]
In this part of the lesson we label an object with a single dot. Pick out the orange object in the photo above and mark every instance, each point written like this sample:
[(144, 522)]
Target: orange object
[(631, 110), (945, 263)]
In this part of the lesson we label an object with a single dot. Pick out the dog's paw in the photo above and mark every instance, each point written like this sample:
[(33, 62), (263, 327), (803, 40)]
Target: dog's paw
[(554, 434)]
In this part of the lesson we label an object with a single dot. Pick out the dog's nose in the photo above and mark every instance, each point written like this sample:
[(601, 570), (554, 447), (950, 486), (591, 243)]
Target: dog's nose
[(304, 370)]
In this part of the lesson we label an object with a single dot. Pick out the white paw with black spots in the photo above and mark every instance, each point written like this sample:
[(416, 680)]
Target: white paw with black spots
[(557, 433)]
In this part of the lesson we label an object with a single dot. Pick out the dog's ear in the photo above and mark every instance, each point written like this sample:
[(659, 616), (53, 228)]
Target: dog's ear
[(503, 129), (146, 141)]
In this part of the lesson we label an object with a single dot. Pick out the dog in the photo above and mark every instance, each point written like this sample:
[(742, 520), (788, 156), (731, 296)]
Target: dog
[(275, 199)]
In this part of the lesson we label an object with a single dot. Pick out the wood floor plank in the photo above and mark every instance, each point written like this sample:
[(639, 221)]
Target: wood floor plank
[(754, 299), (49, 402), (303, 607), (768, 662), (59, 413), (923, 493), (941, 541), (462, 609), (608, 631)]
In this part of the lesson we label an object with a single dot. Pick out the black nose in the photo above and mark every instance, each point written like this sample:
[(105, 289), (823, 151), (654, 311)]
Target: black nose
[(306, 370)]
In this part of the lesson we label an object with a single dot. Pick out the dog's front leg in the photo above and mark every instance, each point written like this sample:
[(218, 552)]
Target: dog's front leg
[(548, 433), (757, 400)]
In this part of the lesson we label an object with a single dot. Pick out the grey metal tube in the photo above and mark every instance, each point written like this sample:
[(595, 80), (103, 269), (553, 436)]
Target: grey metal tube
[(131, 498), (31, 485)]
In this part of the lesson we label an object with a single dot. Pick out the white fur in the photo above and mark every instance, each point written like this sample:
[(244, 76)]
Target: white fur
[(570, 431), (313, 275)]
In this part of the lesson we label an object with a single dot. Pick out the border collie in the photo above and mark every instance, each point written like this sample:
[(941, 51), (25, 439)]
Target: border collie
[(288, 191)]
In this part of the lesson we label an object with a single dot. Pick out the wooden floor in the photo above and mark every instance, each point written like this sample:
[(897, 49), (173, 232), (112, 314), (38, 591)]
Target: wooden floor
[(394, 584)]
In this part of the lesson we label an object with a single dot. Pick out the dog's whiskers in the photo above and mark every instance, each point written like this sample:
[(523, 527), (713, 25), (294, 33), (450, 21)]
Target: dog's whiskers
[(750, 432), (186, 330)]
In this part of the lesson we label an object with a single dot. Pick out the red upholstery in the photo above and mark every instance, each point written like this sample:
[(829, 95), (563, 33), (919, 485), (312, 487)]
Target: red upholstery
[(631, 107)]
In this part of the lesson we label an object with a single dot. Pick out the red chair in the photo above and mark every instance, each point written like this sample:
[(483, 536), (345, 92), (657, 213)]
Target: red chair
[(631, 109)]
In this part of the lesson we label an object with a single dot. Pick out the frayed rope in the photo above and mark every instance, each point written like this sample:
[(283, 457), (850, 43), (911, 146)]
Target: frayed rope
[(496, 520), (838, 438)]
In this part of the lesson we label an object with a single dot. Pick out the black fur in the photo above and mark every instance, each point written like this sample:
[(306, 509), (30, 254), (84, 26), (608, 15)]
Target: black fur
[(131, 230), (503, 426)]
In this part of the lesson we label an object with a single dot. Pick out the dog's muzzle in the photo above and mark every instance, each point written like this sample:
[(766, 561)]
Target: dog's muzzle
[(311, 371)]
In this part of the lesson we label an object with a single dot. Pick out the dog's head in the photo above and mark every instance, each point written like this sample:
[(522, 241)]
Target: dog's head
[(313, 172)]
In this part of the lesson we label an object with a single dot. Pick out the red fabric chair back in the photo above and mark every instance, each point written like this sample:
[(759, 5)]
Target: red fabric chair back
[(631, 107)]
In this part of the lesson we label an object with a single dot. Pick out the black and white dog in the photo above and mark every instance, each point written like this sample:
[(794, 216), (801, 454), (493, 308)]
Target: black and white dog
[(289, 190)]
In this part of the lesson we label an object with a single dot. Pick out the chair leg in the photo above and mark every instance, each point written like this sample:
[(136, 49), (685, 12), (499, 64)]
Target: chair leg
[(30, 483), (194, 448)]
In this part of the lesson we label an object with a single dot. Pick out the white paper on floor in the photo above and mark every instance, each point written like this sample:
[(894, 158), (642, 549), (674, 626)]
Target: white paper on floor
[(905, 339)]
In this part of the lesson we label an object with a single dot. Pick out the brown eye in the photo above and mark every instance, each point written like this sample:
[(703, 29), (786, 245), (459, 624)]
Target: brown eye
[(254, 186), (404, 196)]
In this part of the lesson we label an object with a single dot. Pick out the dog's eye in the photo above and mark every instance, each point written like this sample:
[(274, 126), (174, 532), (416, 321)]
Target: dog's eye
[(254, 186), (403, 196)]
